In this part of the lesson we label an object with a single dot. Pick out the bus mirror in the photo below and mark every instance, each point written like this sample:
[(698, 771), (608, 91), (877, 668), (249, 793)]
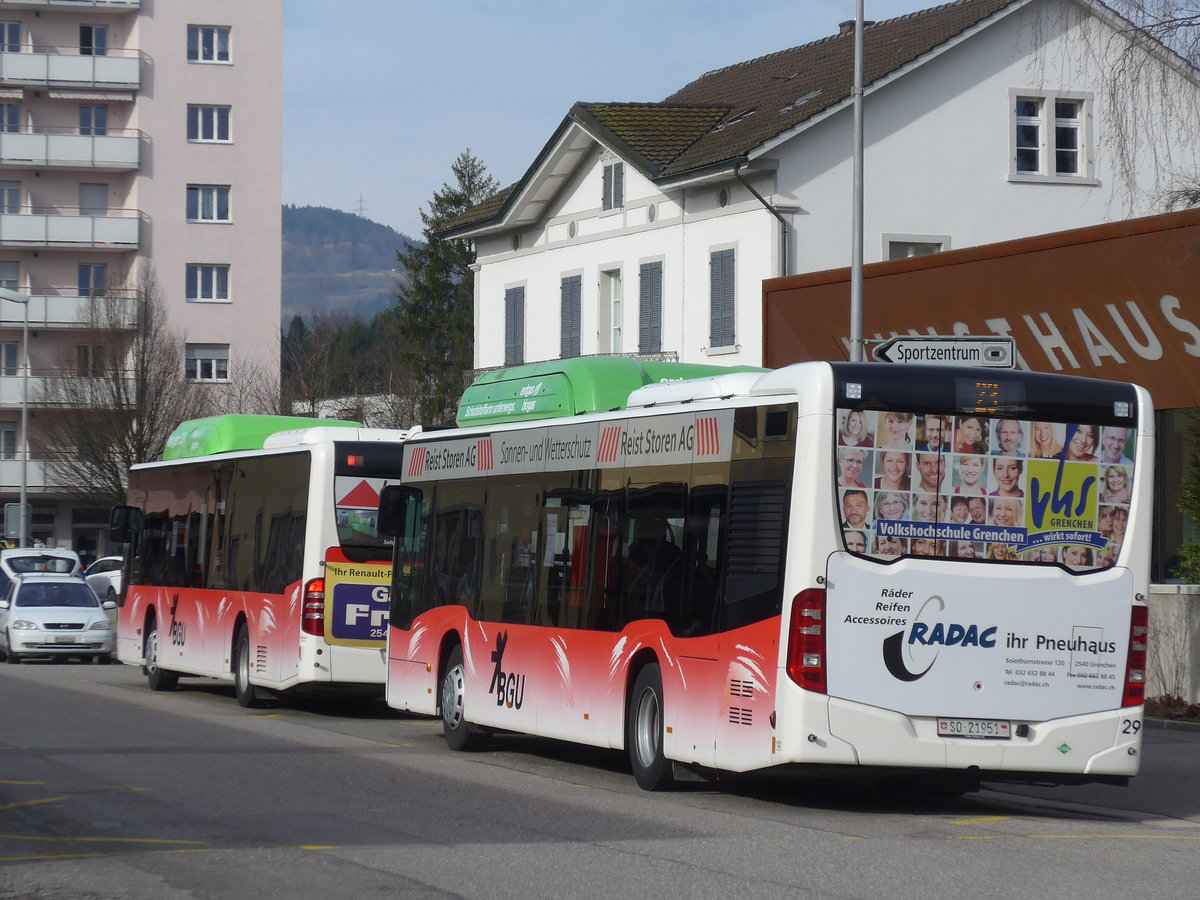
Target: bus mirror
[(124, 524), (391, 509)]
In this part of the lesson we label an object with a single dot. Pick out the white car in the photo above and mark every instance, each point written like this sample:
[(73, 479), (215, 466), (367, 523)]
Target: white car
[(36, 559), (54, 615), (104, 576)]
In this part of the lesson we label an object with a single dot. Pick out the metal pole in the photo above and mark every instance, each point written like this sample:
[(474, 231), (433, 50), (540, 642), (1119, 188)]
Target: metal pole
[(23, 526), (856, 253)]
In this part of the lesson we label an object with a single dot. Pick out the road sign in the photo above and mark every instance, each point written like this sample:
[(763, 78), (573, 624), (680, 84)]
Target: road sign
[(12, 519), (958, 350)]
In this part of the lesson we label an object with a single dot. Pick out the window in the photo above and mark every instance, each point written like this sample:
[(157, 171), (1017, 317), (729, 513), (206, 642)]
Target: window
[(89, 360), (209, 124), (208, 43), (609, 323), (93, 120), (10, 273), (8, 358), (10, 117), (206, 362), (514, 326), (650, 308), (93, 199), (722, 298), (572, 289), (92, 279), (208, 203), (10, 37), (1050, 140), (614, 186), (10, 196), (207, 282), (93, 40), (8, 442), (906, 249)]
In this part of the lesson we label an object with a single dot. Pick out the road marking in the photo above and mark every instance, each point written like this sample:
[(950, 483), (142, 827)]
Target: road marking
[(32, 802), (282, 715), (1078, 837), (96, 840), (981, 820), (316, 847), (23, 782)]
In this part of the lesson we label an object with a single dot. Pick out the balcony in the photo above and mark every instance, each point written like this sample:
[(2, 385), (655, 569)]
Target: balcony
[(89, 6), (38, 474), (63, 389), (48, 147), (70, 67), (65, 309), (70, 228)]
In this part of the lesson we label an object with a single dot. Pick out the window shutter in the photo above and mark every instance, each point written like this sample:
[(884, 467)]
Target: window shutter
[(721, 272), (571, 324), (650, 308), (514, 326), (519, 323), (618, 187), (606, 200)]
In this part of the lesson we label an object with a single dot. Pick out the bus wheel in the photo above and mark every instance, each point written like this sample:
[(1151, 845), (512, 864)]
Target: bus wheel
[(247, 694), (644, 731), (460, 734), (158, 678)]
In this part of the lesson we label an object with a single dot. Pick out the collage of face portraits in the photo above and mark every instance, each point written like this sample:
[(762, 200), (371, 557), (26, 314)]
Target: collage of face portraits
[(960, 487)]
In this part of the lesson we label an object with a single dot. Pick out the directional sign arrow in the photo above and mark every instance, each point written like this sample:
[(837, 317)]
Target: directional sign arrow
[(957, 350)]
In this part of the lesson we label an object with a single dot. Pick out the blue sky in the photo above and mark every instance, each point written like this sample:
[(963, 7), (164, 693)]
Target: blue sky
[(380, 109)]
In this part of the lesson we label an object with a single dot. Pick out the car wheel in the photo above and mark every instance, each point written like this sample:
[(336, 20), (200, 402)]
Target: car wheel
[(11, 657), (159, 679), (460, 734), (644, 731), (102, 659), (247, 694)]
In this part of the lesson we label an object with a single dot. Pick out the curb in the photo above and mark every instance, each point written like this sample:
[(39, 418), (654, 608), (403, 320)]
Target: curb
[(1172, 724)]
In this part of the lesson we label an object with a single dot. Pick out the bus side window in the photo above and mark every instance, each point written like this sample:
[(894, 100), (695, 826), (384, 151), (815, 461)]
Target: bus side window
[(753, 587), (603, 599), (409, 523), (652, 587), (562, 580), (706, 532)]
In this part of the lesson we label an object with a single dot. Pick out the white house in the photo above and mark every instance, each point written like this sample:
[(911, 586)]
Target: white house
[(648, 227)]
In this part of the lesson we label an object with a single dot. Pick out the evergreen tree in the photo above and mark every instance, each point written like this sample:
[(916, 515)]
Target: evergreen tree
[(434, 314)]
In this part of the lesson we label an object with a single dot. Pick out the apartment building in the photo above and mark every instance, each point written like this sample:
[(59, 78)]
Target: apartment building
[(136, 136)]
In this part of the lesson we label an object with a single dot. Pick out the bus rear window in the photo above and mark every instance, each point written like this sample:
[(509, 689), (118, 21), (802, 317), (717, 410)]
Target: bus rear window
[(962, 485)]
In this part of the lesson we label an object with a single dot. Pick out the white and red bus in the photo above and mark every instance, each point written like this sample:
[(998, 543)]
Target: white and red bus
[(253, 558), (878, 568)]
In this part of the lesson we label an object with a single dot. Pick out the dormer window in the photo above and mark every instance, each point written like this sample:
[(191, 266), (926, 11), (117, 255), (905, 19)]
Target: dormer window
[(614, 186)]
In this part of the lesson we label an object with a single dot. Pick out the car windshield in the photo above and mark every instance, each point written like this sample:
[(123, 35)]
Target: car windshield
[(75, 595), (40, 563)]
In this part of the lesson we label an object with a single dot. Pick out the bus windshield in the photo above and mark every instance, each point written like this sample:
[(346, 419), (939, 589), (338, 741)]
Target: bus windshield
[(986, 470)]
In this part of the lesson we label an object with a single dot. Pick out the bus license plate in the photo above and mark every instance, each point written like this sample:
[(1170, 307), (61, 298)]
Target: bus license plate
[(975, 728)]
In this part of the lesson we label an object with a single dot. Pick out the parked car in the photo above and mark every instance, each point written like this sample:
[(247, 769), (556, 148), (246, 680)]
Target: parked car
[(54, 615), (36, 559), (104, 576)]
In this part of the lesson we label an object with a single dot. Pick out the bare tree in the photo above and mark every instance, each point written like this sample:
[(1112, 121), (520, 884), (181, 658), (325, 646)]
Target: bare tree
[(1147, 52), (122, 398)]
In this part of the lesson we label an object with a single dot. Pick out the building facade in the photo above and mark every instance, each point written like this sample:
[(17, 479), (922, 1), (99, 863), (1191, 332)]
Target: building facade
[(140, 141), (648, 227)]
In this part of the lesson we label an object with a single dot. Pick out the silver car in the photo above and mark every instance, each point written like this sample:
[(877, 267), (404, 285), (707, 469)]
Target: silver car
[(54, 615)]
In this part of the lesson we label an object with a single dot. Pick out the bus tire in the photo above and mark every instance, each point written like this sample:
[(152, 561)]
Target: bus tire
[(644, 731), (247, 694), (158, 678), (460, 734)]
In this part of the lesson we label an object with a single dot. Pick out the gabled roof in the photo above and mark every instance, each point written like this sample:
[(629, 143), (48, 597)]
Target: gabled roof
[(729, 116)]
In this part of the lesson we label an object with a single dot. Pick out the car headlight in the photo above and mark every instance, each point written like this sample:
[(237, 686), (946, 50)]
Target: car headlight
[(100, 626), (24, 625)]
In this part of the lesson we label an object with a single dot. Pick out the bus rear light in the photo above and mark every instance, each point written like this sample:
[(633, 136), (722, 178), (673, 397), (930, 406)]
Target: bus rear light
[(806, 641), (1135, 666), (312, 618)]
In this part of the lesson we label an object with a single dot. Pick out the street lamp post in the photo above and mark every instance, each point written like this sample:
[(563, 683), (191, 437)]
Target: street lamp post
[(23, 527)]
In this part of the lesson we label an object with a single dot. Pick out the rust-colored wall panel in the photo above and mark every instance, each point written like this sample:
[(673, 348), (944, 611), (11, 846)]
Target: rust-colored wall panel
[(1118, 301)]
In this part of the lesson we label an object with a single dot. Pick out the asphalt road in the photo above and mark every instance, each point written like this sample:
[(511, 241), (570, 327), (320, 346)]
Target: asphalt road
[(108, 790)]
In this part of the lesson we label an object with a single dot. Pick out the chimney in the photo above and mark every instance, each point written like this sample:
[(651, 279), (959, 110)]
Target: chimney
[(847, 27)]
